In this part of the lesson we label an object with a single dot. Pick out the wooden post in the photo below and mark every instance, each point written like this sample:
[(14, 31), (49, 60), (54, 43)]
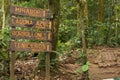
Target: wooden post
[(47, 66), (12, 67)]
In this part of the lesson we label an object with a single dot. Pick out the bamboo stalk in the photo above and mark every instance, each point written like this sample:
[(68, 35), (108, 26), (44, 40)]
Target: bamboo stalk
[(3, 17), (78, 17)]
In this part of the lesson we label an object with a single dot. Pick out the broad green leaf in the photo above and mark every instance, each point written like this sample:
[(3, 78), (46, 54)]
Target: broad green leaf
[(85, 68)]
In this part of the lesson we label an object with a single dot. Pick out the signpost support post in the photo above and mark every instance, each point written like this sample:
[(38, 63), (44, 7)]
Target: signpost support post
[(12, 62), (47, 66)]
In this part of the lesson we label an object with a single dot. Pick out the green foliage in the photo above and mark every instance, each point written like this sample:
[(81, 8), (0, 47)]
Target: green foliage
[(101, 34), (85, 67), (66, 32), (76, 41), (5, 43), (61, 46), (30, 3), (97, 33), (1, 36), (68, 22), (116, 78), (4, 51)]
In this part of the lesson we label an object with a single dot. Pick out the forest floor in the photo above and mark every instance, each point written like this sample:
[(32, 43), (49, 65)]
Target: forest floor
[(104, 63)]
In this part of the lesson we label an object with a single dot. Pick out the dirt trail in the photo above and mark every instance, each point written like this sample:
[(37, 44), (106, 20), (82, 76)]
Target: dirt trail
[(105, 63)]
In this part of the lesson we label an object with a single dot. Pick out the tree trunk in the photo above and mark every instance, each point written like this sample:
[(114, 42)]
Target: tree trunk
[(8, 4), (100, 18), (116, 21), (54, 6), (100, 13), (82, 11), (78, 19), (83, 23)]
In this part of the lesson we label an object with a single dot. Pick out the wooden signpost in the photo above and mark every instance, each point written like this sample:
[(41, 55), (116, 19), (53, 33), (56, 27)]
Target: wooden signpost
[(43, 36), (33, 12), (19, 18), (30, 46), (44, 24)]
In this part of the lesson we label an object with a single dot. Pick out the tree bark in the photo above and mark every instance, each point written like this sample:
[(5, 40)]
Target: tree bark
[(83, 23), (100, 13), (54, 6), (8, 4), (78, 21), (116, 20)]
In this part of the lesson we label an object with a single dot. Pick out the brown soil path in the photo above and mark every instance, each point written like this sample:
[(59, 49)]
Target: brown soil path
[(105, 63)]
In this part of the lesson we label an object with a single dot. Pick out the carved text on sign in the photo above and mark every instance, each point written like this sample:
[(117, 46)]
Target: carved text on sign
[(19, 22), (31, 46), (34, 12), (36, 31), (31, 35)]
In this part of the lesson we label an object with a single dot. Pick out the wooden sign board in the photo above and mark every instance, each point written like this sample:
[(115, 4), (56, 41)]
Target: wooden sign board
[(33, 12), (41, 46), (20, 22), (31, 46), (17, 34)]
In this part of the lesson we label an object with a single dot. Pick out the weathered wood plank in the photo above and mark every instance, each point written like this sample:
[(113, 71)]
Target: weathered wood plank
[(19, 34), (33, 12), (31, 46), (21, 22)]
